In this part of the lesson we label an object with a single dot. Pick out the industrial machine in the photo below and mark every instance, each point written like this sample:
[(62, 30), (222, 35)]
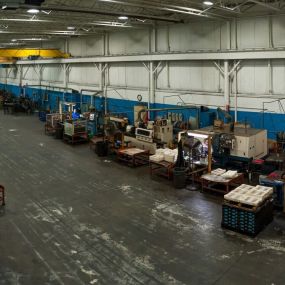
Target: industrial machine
[(243, 144), (163, 131), (95, 123), (52, 121), (153, 134), (75, 131), (219, 123), (144, 135)]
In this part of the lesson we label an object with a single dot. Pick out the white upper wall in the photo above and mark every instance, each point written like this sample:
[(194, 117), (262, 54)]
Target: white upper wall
[(129, 41), (278, 33), (86, 46), (253, 33), (245, 33), (201, 79)]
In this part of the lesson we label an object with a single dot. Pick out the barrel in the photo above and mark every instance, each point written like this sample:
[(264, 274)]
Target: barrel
[(59, 131), (179, 177), (101, 148)]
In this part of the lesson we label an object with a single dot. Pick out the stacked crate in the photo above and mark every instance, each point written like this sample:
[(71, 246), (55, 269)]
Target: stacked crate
[(248, 209)]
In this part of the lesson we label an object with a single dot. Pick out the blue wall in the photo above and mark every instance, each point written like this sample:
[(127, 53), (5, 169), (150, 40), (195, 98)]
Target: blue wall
[(270, 121)]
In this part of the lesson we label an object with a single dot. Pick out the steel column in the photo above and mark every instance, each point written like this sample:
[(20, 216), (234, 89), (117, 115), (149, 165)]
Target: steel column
[(227, 85), (228, 35), (270, 79), (151, 83)]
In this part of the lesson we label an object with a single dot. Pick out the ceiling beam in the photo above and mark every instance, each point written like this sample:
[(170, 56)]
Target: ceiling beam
[(108, 13), (209, 56), (266, 5)]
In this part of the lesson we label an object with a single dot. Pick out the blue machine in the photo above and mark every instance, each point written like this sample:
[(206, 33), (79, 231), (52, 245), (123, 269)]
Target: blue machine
[(95, 125), (278, 188)]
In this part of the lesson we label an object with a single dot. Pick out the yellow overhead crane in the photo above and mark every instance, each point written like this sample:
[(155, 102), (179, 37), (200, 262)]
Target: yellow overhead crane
[(10, 54)]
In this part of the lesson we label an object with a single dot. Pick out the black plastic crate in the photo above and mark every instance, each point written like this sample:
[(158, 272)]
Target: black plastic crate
[(245, 221)]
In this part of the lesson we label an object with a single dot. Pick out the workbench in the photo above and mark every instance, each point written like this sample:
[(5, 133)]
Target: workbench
[(216, 182), (133, 156), (76, 138), (163, 168)]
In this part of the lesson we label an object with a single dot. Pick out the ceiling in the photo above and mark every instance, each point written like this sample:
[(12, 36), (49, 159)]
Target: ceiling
[(70, 18)]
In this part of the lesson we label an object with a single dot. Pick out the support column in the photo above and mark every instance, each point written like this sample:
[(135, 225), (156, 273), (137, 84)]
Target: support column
[(270, 77), (66, 46), (65, 75), (151, 83), (167, 74), (106, 44), (152, 39), (101, 76), (270, 39), (236, 96), (228, 35), (105, 84), (6, 77), (40, 73), (20, 75), (227, 85)]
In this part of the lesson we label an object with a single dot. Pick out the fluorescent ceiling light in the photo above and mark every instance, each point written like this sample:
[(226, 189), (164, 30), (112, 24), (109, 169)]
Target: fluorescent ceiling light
[(32, 39), (13, 40), (208, 3), (110, 24), (23, 20), (123, 18), (71, 28), (33, 11), (46, 12), (4, 7)]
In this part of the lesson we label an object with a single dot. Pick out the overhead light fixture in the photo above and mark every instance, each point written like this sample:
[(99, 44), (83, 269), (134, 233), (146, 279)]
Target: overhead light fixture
[(110, 24), (46, 12), (141, 20), (13, 40), (4, 7), (32, 39), (33, 11), (123, 18), (208, 3), (71, 28)]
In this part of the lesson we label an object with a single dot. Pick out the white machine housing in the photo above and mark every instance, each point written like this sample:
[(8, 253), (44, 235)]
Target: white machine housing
[(249, 142), (134, 142), (252, 146), (164, 133), (144, 134)]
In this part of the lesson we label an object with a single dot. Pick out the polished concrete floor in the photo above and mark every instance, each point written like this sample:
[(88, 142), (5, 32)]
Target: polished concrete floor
[(73, 218)]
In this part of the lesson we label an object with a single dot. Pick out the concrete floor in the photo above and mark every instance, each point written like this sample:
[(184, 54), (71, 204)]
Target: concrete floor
[(72, 218)]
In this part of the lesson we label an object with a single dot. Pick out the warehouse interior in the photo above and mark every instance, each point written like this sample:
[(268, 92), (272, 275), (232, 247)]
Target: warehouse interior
[(142, 142)]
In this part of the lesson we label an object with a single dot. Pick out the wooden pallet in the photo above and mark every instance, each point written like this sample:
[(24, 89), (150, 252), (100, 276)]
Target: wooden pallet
[(244, 206)]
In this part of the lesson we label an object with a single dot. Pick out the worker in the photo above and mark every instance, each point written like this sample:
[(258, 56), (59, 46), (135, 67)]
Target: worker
[(75, 115)]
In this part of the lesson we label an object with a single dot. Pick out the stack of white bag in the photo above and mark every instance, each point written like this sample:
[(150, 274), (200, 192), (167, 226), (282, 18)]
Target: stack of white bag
[(166, 154), (250, 195)]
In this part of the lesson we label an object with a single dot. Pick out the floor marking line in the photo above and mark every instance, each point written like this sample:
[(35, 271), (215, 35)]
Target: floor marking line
[(37, 253)]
